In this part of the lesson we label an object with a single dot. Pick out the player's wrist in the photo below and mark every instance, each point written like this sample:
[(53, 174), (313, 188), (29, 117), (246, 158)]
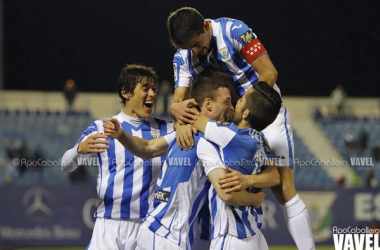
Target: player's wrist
[(80, 149), (251, 180), (172, 111), (120, 135)]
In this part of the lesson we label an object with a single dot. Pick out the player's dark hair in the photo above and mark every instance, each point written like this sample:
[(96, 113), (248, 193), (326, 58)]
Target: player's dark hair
[(264, 104), (207, 84), (183, 24), (131, 75)]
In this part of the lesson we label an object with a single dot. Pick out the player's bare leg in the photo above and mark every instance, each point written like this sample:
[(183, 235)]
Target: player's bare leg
[(295, 211)]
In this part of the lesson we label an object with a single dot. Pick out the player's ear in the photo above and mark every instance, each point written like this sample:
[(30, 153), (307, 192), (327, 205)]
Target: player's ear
[(207, 104), (246, 113), (206, 25), (126, 95)]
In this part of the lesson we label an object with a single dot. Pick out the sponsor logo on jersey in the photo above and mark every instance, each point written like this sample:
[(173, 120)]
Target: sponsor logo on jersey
[(267, 149), (196, 65), (247, 37), (162, 195), (237, 26)]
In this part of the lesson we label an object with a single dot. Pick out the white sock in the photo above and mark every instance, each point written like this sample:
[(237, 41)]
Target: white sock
[(299, 224)]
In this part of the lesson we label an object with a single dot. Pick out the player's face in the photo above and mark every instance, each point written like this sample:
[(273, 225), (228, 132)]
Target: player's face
[(239, 109), (200, 44), (221, 104), (141, 103), (229, 114)]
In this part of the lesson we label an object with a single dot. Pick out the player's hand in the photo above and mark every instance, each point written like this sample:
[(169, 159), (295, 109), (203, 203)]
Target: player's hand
[(184, 136), (95, 143), (259, 199), (182, 112), (112, 128), (234, 181)]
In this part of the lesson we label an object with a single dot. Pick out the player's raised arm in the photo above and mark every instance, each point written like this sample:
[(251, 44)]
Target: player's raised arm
[(266, 70), (180, 110), (254, 52), (91, 142), (142, 148)]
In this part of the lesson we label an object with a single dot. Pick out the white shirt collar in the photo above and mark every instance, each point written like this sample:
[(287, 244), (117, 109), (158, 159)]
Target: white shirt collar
[(135, 121)]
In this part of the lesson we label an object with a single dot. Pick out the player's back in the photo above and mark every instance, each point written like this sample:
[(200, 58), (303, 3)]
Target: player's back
[(242, 150), (180, 193)]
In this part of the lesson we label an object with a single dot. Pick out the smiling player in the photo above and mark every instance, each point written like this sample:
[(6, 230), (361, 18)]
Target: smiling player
[(125, 182)]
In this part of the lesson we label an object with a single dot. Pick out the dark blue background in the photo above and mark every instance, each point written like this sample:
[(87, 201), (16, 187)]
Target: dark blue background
[(315, 45)]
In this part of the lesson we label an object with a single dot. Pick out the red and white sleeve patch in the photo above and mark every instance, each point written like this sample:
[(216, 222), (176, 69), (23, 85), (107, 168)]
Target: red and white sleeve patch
[(253, 50)]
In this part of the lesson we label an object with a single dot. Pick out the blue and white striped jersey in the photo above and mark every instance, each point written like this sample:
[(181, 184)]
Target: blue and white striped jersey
[(244, 150), (126, 182), (181, 191), (225, 55)]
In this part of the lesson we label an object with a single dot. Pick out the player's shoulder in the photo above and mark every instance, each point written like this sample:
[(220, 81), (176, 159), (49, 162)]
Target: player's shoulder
[(180, 56), (97, 123), (161, 123), (236, 29), (228, 125), (256, 135), (231, 23), (96, 126), (202, 144), (227, 20)]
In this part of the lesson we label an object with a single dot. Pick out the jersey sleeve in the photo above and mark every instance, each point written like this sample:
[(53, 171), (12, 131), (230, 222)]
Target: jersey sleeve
[(182, 75), (71, 157), (169, 127), (208, 154), (245, 41), (170, 137), (92, 129), (220, 133)]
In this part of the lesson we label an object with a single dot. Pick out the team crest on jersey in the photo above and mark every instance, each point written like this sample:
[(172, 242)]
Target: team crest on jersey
[(223, 123), (154, 135), (247, 37), (267, 149), (224, 53), (175, 67)]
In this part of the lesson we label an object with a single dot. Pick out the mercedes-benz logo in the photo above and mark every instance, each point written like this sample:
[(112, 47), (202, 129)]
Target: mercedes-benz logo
[(36, 201)]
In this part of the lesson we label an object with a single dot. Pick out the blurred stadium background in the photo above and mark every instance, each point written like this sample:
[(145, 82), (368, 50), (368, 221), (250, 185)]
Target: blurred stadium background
[(315, 46)]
